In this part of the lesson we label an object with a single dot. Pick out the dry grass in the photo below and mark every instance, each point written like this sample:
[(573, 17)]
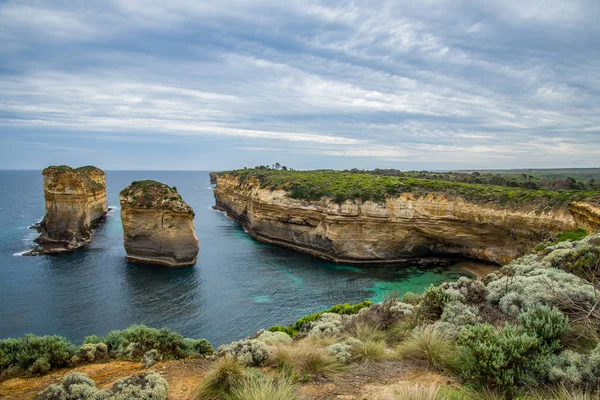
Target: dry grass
[(429, 346), (368, 350), (563, 393), (305, 358), (366, 333), (267, 388), (417, 392)]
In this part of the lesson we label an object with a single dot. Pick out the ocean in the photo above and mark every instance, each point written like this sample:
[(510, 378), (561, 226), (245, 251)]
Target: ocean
[(237, 286)]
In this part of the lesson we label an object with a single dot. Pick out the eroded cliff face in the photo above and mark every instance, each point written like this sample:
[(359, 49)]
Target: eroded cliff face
[(158, 226), (75, 202), (213, 177), (402, 228)]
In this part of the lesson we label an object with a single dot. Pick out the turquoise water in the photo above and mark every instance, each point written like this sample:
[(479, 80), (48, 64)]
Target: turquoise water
[(237, 286)]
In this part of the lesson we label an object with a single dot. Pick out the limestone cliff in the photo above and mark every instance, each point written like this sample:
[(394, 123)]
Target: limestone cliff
[(75, 202), (213, 177), (398, 229), (158, 226)]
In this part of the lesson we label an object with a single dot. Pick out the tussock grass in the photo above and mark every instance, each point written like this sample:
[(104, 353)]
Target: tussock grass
[(304, 358), (399, 331), (267, 388), (218, 383), (431, 347), (563, 393), (368, 350), (418, 392), (366, 333)]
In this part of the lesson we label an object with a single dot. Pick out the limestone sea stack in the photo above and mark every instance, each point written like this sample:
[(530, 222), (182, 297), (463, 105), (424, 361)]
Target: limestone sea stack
[(213, 177), (158, 226), (75, 203)]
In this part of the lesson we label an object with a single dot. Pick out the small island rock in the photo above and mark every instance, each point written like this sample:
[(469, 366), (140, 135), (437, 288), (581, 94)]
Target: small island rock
[(158, 226), (75, 203)]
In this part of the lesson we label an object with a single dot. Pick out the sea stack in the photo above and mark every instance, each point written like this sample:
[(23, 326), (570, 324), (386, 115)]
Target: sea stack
[(213, 177), (75, 203), (158, 226)]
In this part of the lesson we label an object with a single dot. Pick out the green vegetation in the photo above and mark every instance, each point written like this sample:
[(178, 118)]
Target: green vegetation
[(149, 193), (35, 354), (350, 185), (78, 386), (40, 354), (430, 346), (344, 309), (567, 236)]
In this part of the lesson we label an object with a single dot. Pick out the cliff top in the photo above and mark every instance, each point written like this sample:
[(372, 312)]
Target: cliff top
[(153, 194), (368, 185), (61, 175)]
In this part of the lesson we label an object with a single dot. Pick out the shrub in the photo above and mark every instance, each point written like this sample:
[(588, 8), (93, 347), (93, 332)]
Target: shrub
[(150, 358), (219, 382), (90, 353), (134, 341), (411, 298), (273, 338), (503, 359), (399, 331), (417, 392), (327, 324), (467, 290), (381, 315), (250, 352), (343, 309), (343, 351), (548, 324), (267, 388), (571, 369), (198, 346), (36, 354), (430, 346), (583, 261), (433, 302), (78, 386), (535, 283), (144, 386)]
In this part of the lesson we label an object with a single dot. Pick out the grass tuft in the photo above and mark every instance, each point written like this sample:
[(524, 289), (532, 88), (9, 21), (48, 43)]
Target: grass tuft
[(226, 374), (430, 346)]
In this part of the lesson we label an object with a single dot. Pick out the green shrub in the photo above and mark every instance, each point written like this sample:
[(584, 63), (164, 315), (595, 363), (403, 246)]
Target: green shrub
[(548, 324), (433, 301), (134, 341), (345, 309), (570, 236), (198, 346), (583, 261), (504, 359), (411, 298), (35, 354)]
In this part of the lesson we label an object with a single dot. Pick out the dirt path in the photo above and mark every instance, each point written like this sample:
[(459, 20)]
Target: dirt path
[(370, 381)]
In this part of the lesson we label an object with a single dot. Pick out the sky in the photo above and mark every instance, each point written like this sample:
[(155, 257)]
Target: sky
[(213, 85)]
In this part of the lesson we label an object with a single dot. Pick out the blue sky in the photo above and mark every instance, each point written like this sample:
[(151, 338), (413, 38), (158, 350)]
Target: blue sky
[(185, 84)]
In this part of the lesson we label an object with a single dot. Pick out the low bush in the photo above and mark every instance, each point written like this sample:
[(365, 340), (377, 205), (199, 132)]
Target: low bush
[(504, 359), (429, 346), (150, 358), (134, 341), (78, 386), (35, 354), (433, 301), (548, 324), (250, 352), (343, 309), (90, 353)]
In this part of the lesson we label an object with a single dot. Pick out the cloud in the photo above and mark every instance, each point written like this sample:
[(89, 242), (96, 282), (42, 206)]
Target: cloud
[(462, 83)]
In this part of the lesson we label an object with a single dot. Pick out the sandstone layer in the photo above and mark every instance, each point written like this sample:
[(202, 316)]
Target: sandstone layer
[(75, 203), (397, 230), (158, 226)]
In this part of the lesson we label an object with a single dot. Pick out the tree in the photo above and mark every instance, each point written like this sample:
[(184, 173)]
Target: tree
[(277, 166)]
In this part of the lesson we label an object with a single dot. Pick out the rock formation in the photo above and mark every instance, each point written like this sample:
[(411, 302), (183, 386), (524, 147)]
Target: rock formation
[(213, 177), (399, 229), (158, 226), (75, 202)]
